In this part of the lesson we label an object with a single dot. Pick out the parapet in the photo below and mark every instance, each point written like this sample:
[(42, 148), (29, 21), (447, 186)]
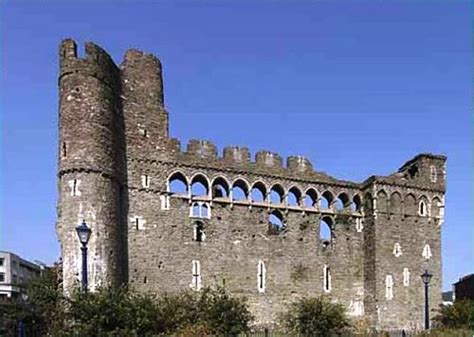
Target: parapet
[(237, 155), (142, 74), (96, 63), (202, 149), (268, 159), (174, 146), (299, 164)]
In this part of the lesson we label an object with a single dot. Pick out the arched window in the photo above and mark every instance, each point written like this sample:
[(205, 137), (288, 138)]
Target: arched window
[(275, 223), (356, 203), (342, 201), (198, 231), (200, 210), (396, 203), (240, 190), (177, 183), (325, 231), (276, 194), (422, 210), (259, 192), (327, 200), (199, 186), (397, 250), (410, 204), (311, 198), (427, 252), (294, 196), (382, 202), (368, 203), (220, 188)]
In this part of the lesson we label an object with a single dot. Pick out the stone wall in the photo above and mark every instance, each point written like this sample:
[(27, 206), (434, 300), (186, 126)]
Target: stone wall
[(115, 131)]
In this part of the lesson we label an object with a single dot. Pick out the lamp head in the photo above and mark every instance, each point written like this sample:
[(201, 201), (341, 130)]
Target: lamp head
[(83, 232), (426, 277)]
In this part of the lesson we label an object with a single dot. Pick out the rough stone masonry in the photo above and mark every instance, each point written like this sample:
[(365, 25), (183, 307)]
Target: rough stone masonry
[(167, 219)]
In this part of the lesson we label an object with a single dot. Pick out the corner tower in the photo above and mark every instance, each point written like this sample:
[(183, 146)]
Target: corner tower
[(91, 165)]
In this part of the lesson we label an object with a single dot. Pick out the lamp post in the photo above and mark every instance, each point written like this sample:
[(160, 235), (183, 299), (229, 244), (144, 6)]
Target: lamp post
[(84, 234), (426, 277)]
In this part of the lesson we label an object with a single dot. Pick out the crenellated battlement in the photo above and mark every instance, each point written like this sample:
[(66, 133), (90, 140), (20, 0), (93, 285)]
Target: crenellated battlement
[(96, 63), (163, 213)]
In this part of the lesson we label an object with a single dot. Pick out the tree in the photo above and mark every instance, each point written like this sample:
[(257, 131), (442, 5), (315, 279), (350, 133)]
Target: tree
[(314, 317), (458, 316)]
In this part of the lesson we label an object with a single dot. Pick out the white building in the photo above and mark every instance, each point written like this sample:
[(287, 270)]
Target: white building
[(15, 272)]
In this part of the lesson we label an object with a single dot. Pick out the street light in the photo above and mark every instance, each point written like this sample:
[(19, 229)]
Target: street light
[(426, 277), (84, 234)]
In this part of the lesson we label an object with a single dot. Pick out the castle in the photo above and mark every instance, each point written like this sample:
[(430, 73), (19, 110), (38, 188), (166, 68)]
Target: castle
[(164, 219)]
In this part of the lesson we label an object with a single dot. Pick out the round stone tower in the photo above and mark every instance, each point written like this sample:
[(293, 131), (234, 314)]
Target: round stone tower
[(91, 166)]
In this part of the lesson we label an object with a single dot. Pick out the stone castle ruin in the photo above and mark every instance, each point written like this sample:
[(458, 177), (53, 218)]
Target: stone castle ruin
[(167, 219)]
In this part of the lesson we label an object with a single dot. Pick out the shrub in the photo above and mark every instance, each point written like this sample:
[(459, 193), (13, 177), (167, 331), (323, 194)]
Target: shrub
[(314, 317), (457, 316)]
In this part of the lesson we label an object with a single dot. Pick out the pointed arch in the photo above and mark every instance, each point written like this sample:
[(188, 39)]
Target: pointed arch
[(294, 196), (240, 189), (342, 201), (368, 203), (200, 185), (409, 203), (220, 188), (423, 206), (311, 198), (396, 203), (277, 194), (356, 203), (437, 208), (327, 198), (258, 193), (382, 202), (177, 183)]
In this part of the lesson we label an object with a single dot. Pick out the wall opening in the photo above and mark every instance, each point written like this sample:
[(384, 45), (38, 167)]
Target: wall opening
[(261, 276), (342, 202), (178, 184), (196, 280), (200, 210), (326, 200), (311, 198), (258, 192), (198, 234), (327, 279), (433, 174), (389, 287), (325, 231), (294, 197), (277, 194), (220, 188), (199, 186), (356, 203), (239, 190), (276, 224)]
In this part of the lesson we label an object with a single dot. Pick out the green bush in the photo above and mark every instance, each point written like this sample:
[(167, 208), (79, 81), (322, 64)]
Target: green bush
[(314, 317), (459, 315)]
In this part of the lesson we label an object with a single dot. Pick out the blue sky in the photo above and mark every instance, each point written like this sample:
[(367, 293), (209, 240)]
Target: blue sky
[(357, 86)]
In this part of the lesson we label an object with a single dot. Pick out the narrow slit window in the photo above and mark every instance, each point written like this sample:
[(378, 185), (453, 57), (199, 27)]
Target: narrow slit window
[(146, 181), (389, 287), (261, 275), (422, 208), (64, 150), (196, 280), (406, 277), (327, 279), (74, 186), (199, 235)]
